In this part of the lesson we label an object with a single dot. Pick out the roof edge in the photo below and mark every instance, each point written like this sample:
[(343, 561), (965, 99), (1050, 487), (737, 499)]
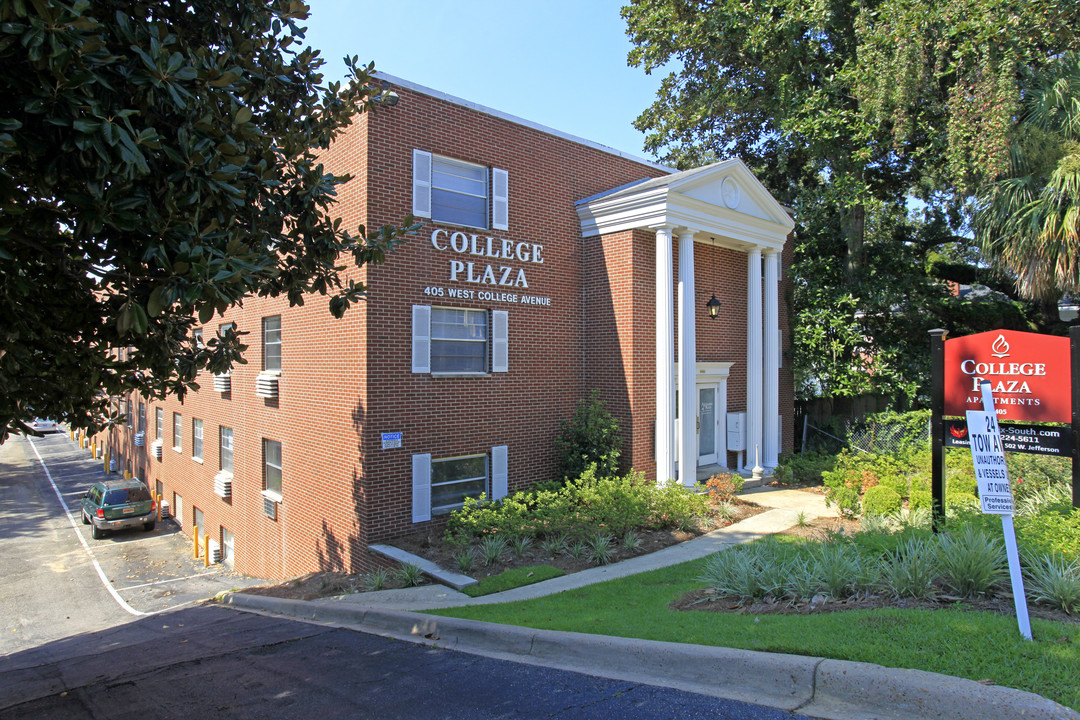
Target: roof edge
[(424, 90)]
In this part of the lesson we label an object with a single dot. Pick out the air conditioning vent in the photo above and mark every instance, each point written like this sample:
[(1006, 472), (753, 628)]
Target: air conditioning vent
[(223, 383), (270, 508), (155, 449), (215, 551), (223, 484), (164, 509), (266, 384), (140, 439)]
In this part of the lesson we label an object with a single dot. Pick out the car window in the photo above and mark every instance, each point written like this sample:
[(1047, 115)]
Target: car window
[(121, 496)]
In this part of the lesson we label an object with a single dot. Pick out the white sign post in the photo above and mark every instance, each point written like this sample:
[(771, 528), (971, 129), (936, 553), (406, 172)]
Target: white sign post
[(995, 492)]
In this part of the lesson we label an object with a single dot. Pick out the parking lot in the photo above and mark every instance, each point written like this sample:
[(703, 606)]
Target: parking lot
[(146, 571)]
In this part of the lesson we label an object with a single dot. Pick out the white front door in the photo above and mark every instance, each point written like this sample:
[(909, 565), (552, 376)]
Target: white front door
[(708, 426)]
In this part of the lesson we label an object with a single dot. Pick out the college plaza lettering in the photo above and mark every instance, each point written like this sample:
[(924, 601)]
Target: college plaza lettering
[(482, 273), (993, 371)]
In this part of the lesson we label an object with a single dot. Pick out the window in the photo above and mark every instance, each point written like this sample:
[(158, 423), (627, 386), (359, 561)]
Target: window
[(459, 340), (442, 485), (457, 192), (142, 417), (197, 516), (224, 327), (130, 414), (272, 467), (454, 479), (196, 439), (159, 424), (227, 546), (225, 449), (272, 343), (178, 508), (196, 334), (177, 432), (159, 490)]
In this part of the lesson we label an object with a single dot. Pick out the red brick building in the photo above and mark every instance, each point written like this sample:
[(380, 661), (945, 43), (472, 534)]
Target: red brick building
[(546, 266)]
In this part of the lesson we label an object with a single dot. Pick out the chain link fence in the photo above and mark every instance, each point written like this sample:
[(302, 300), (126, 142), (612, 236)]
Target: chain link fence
[(868, 435)]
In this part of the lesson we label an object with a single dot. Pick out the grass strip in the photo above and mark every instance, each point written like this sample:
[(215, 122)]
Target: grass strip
[(964, 643), (510, 579)]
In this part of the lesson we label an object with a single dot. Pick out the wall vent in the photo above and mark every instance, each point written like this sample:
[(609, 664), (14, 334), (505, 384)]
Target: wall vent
[(266, 384), (223, 383)]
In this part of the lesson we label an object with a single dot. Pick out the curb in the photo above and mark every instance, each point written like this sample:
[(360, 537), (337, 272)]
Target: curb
[(817, 687)]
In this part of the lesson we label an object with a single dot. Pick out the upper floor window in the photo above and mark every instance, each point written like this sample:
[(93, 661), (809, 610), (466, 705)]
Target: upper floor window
[(272, 466), (130, 414), (225, 449), (458, 341), (197, 439), (458, 192), (142, 417), (272, 343), (159, 423), (177, 432), (196, 334)]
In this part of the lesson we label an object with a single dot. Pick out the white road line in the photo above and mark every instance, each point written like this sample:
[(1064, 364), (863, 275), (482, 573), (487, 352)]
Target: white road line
[(89, 551), (162, 582)]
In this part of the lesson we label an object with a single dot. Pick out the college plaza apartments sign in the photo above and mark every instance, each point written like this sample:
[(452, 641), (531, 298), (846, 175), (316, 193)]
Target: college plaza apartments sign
[(1028, 373)]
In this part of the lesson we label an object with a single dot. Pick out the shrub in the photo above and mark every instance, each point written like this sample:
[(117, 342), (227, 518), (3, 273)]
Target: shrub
[(410, 575), (1055, 580), (972, 561), (881, 500), (723, 486), (590, 437), (1055, 529), (921, 500), (803, 468), (492, 548), (466, 560), (910, 570)]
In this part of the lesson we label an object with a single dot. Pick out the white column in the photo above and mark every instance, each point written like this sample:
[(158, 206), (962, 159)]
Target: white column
[(770, 451), (753, 357), (665, 359), (687, 442)]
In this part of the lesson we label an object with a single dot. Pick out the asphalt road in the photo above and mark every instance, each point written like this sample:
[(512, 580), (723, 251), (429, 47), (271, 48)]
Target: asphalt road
[(213, 662), (50, 564), (116, 628)]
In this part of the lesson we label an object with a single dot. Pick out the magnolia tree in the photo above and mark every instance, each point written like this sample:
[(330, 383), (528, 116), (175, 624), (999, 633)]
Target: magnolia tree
[(158, 164)]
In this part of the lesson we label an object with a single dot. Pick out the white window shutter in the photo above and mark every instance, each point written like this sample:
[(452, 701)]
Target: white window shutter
[(421, 338), (500, 199), (500, 341), (500, 475), (421, 487), (421, 188)]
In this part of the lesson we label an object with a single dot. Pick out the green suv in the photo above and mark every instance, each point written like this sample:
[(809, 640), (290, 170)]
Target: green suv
[(118, 504)]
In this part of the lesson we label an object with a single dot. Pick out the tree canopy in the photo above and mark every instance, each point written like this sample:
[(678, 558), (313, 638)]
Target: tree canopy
[(158, 163), (875, 121)]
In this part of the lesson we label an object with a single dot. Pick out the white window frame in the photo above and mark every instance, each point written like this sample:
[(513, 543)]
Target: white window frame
[(268, 343), (196, 439), (159, 423), (177, 432), (496, 190), (495, 484), (278, 493), (497, 351), (221, 449)]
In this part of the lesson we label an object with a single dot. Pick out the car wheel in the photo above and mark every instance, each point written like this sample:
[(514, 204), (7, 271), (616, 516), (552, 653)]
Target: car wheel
[(150, 525), (85, 520), (97, 533)]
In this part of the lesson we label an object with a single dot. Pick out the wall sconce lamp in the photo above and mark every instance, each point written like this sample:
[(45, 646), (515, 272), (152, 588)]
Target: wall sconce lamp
[(713, 306)]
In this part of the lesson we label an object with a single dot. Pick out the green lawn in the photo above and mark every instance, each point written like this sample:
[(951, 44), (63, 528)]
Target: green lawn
[(974, 645)]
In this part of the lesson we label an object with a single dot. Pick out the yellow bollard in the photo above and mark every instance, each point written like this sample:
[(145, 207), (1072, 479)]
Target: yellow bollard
[(195, 538), (105, 462), (93, 450), (127, 474), (158, 498), (71, 433), (206, 550)]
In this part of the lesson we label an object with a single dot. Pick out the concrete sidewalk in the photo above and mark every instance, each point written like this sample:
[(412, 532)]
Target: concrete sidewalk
[(817, 687)]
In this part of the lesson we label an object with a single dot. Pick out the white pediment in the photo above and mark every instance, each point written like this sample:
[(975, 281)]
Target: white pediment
[(723, 201)]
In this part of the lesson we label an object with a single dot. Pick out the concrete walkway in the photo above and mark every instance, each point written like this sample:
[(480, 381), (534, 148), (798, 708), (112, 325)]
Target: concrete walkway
[(813, 686)]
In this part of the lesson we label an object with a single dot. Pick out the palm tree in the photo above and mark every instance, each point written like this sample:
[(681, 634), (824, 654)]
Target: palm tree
[(1028, 222)]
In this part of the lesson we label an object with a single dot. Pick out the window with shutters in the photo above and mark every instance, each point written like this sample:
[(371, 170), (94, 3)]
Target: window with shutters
[(459, 341), (454, 479), (459, 193)]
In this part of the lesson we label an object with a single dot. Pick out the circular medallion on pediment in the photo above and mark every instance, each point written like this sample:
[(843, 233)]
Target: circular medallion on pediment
[(729, 191)]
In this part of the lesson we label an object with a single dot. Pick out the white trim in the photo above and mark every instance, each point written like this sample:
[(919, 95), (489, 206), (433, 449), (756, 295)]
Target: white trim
[(423, 90), (421, 487), (500, 199), (500, 341), (500, 475), (421, 338), (421, 187)]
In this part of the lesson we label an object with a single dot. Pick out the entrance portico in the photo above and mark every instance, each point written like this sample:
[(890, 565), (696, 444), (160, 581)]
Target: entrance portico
[(721, 205)]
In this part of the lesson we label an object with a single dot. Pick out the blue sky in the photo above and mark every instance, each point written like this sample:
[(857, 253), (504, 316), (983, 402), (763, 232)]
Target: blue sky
[(560, 63)]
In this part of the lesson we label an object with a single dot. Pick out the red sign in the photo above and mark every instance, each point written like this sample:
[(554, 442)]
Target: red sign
[(1028, 373)]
